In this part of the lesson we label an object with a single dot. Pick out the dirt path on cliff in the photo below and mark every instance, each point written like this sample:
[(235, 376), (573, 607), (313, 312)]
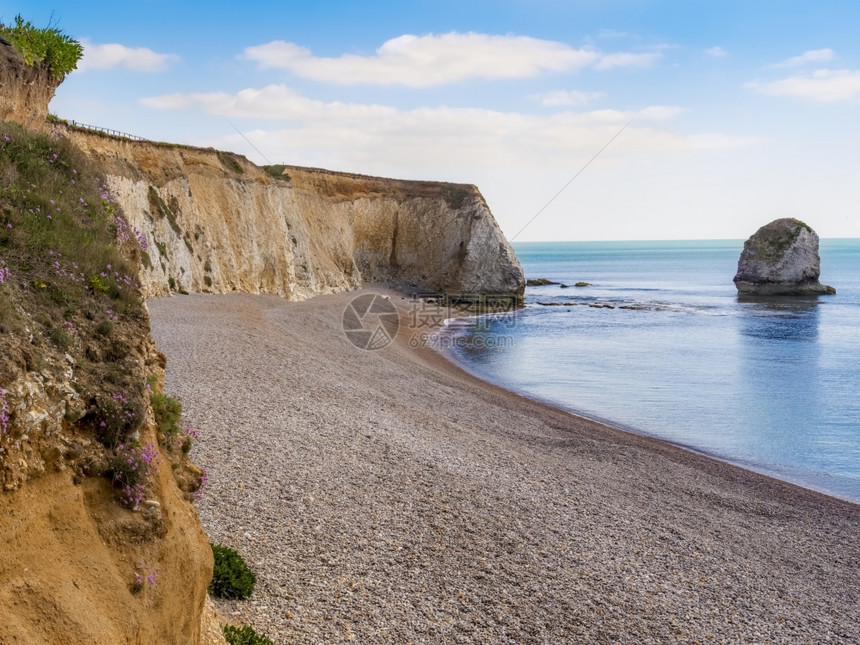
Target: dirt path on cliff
[(388, 497)]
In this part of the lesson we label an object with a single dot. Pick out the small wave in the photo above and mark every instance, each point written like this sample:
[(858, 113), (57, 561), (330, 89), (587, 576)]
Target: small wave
[(706, 310)]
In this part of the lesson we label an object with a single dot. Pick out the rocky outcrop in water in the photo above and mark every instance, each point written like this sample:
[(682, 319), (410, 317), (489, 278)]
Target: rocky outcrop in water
[(781, 259)]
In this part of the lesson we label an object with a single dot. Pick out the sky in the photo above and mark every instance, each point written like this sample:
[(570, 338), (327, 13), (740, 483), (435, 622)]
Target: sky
[(577, 119)]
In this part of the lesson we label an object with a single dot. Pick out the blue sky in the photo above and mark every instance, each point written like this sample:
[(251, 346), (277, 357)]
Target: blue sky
[(739, 112)]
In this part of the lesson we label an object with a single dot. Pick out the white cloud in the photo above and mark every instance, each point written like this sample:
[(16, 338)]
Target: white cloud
[(383, 140), (824, 85), (113, 55), (611, 33), (282, 103), (567, 98), (271, 102), (423, 61), (716, 52), (659, 113), (810, 56), (716, 141), (627, 59)]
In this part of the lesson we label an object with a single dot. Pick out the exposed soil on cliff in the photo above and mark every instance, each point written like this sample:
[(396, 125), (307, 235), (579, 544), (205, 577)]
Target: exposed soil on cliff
[(25, 90), (76, 568)]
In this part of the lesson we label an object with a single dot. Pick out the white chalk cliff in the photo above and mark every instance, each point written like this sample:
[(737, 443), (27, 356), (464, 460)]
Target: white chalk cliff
[(215, 222)]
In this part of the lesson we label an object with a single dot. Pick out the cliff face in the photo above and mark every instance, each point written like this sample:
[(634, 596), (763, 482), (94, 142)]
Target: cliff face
[(25, 90), (215, 222), (71, 554), (94, 498)]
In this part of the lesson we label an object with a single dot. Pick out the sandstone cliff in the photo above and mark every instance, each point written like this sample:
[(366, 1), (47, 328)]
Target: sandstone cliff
[(781, 258), (215, 222), (100, 541), (71, 554)]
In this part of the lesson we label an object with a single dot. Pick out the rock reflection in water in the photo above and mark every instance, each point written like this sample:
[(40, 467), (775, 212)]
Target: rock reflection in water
[(780, 318)]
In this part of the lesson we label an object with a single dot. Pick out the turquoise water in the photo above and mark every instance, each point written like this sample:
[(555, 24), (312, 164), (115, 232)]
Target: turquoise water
[(661, 344)]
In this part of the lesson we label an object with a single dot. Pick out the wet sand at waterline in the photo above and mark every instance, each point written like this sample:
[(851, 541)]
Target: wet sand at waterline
[(389, 497)]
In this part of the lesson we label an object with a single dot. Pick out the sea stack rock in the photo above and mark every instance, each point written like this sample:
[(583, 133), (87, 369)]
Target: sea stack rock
[(781, 259)]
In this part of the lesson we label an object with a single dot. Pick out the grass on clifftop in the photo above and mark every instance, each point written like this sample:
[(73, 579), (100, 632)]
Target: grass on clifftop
[(50, 47), (771, 241), (68, 275)]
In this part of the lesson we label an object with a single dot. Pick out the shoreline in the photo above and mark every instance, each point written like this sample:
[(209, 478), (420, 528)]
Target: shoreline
[(448, 355), (391, 495)]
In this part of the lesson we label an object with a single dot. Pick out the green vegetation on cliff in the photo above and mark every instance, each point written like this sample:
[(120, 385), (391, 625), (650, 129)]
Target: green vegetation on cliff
[(69, 260), (69, 293), (49, 47)]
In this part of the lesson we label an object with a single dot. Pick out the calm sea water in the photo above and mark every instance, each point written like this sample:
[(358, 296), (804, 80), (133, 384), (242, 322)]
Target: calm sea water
[(661, 344)]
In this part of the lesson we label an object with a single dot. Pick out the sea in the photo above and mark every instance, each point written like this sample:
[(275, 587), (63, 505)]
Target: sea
[(658, 342)]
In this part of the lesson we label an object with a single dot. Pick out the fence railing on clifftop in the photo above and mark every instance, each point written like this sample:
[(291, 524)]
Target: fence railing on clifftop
[(113, 133)]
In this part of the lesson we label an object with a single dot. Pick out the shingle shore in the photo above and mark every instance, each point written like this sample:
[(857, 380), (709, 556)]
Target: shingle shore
[(387, 497)]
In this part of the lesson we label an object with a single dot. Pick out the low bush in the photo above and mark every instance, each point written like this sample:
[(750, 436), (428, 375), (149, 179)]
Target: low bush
[(231, 578), (455, 196), (277, 171), (229, 162), (119, 417), (167, 412), (244, 636)]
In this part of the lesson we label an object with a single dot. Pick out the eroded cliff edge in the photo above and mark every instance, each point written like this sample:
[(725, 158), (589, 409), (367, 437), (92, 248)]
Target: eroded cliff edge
[(215, 222), (25, 90)]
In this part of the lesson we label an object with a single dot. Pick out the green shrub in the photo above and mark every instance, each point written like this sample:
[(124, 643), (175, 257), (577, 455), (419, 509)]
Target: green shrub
[(231, 578), (229, 162), (61, 338), (454, 196), (105, 328), (244, 636), (159, 208), (97, 285), (167, 411), (130, 468), (49, 47), (207, 280), (117, 417), (277, 171)]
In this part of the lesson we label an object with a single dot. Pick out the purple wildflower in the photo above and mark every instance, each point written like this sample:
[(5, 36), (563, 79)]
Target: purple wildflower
[(141, 239), (4, 412)]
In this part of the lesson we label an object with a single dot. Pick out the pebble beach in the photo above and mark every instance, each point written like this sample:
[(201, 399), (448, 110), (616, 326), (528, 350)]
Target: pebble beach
[(389, 497)]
